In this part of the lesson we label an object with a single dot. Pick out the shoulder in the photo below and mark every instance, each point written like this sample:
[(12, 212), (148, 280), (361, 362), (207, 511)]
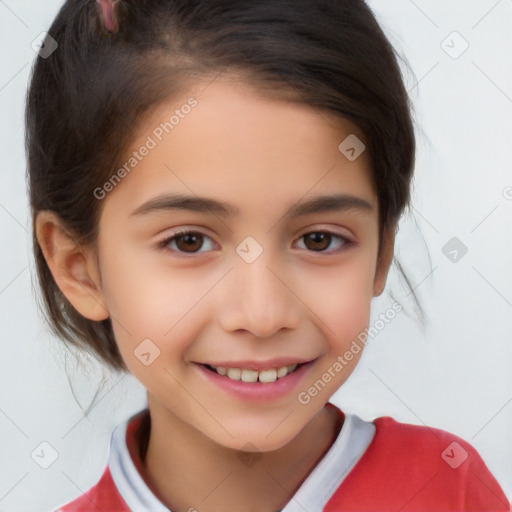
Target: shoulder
[(422, 467), (102, 496), (121, 481), (429, 446), (432, 445)]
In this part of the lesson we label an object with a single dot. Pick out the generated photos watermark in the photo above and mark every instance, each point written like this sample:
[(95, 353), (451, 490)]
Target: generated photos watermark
[(152, 141), (304, 397)]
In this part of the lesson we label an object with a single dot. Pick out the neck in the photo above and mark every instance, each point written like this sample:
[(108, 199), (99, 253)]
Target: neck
[(187, 470)]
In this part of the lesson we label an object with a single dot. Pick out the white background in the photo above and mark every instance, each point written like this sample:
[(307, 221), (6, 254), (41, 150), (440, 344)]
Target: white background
[(455, 374)]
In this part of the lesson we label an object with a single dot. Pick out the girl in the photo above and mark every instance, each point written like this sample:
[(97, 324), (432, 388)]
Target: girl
[(215, 189)]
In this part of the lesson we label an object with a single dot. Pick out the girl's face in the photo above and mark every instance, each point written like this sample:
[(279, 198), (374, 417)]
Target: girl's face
[(269, 277)]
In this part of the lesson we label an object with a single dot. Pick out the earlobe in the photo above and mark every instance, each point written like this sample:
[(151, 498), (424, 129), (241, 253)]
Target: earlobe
[(73, 266), (384, 262)]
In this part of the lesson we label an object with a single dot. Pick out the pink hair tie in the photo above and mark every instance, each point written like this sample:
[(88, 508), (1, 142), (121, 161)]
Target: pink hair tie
[(108, 12)]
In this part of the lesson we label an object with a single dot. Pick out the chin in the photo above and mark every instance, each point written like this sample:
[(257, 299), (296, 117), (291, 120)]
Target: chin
[(256, 434)]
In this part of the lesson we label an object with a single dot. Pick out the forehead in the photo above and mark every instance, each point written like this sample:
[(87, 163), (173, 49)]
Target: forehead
[(230, 140)]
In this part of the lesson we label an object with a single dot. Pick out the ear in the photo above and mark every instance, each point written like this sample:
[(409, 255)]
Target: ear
[(384, 262), (73, 266)]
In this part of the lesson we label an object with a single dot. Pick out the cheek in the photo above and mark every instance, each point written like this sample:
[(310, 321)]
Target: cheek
[(142, 305), (345, 314), (341, 298), (347, 323), (135, 292)]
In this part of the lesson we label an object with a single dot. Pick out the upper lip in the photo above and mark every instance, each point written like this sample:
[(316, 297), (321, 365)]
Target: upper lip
[(277, 362)]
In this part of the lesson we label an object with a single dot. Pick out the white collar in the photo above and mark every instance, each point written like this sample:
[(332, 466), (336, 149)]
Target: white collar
[(314, 493)]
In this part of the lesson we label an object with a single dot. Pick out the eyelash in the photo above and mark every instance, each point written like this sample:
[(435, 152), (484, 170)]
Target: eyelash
[(163, 244)]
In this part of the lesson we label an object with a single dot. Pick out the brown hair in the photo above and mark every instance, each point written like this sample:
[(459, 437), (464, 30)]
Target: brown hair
[(86, 98)]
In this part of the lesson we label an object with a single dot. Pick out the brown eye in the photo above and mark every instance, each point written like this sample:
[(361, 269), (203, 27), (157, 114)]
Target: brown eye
[(185, 242), (319, 241), (191, 242)]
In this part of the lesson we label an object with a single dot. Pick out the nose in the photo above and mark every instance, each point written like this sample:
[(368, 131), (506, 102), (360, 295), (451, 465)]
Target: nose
[(257, 297)]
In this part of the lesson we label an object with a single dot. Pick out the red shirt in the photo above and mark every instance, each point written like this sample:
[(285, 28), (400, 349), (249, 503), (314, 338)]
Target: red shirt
[(383, 466)]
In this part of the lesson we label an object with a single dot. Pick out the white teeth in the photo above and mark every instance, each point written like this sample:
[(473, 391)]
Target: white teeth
[(246, 375), (281, 372), (268, 376), (249, 375), (234, 373)]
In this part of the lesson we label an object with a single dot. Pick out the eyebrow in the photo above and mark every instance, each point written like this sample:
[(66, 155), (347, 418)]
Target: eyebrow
[(319, 204)]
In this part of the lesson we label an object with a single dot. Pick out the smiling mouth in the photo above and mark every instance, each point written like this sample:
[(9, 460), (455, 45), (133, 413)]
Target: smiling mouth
[(246, 375)]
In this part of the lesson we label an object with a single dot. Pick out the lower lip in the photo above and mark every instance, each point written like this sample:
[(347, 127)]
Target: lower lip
[(257, 391)]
